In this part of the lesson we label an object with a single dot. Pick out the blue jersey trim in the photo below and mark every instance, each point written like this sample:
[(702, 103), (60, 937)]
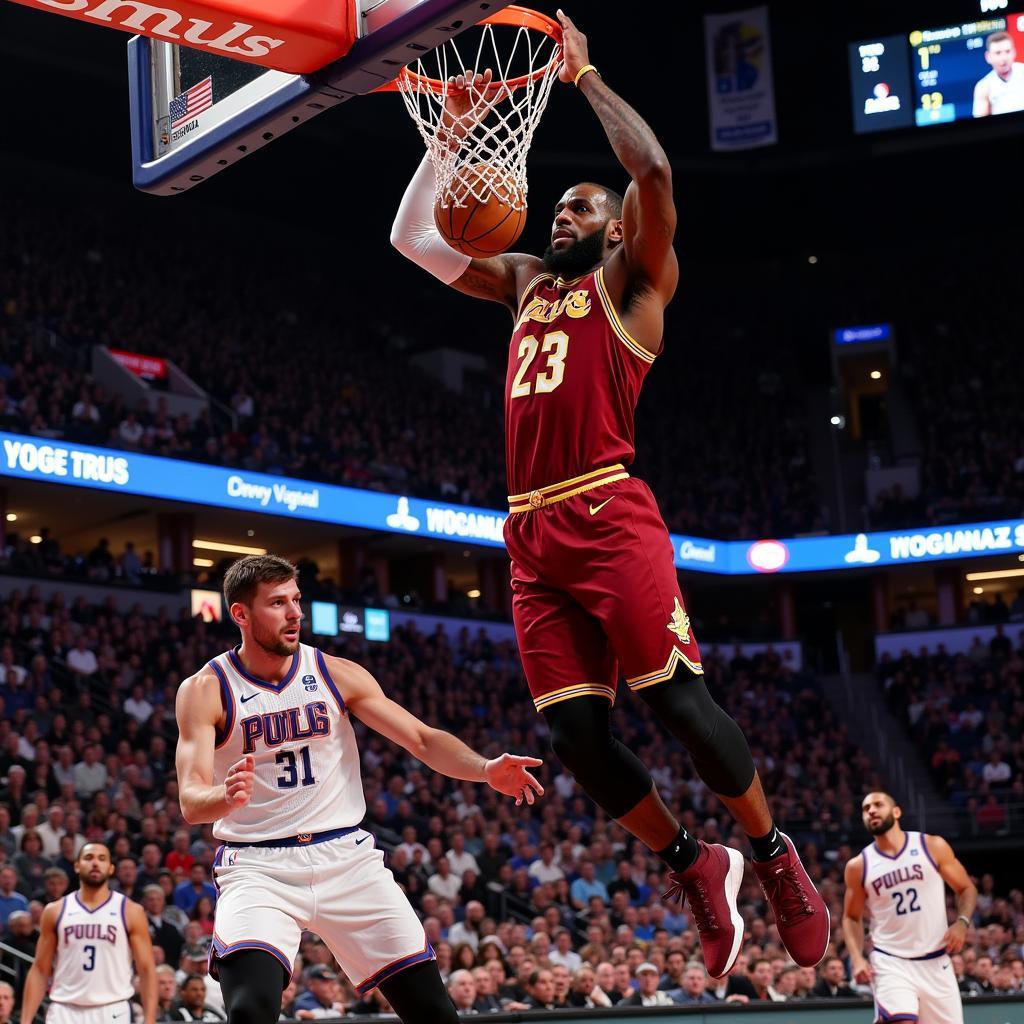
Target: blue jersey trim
[(228, 700), (898, 854), (236, 663), (927, 956), (928, 854), (427, 953), (110, 896), (63, 907), (328, 680), (124, 913)]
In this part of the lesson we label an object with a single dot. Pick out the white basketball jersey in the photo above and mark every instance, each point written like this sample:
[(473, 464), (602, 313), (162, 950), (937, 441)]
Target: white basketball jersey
[(1006, 95), (298, 731), (907, 899), (93, 964)]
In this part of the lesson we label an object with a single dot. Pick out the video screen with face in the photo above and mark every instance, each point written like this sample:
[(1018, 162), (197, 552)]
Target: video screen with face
[(934, 76)]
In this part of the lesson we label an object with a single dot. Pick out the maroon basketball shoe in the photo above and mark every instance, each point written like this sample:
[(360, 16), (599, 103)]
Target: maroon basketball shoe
[(709, 885), (800, 913)]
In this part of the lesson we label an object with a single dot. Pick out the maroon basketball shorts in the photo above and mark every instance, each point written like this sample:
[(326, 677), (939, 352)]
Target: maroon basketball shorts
[(594, 589)]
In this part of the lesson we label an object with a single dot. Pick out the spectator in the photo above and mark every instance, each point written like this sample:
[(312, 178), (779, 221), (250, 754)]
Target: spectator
[(187, 894), (90, 773), (648, 993), (467, 931), (563, 953), (462, 990), (10, 899), (832, 981), (443, 883), (192, 1004), (180, 857), (55, 885), (31, 864), (757, 984), (694, 988), (979, 983), (6, 1002), (163, 933), (459, 859), (81, 660), (51, 830), (166, 992), (321, 999), (587, 886), (540, 990)]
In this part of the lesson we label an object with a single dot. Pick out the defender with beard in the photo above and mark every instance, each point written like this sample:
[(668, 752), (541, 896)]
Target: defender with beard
[(267, 752), (901, 878), (594, 587)]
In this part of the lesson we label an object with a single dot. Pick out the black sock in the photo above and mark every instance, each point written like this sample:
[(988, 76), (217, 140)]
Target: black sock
[(681, 852), (768, 846)]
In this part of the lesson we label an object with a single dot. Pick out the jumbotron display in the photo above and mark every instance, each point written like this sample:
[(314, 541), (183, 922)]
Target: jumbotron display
[(938, 75)]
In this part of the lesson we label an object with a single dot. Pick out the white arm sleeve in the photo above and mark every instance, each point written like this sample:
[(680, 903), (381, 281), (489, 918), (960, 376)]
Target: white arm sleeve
[(416, 237)]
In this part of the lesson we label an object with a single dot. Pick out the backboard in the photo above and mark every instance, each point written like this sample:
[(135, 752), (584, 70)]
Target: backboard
[(195, 112)]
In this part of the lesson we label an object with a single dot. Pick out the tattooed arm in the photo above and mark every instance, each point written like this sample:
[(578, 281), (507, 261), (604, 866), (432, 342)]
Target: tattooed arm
[(648, 212)]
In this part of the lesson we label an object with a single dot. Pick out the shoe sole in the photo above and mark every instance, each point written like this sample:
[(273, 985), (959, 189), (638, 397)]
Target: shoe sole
[(828, 915), (733, 881)]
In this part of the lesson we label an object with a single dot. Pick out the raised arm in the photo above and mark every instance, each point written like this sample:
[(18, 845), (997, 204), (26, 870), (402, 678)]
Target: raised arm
[(648, 211), (198, 710), (38, 976), (853, 919), (954, 874), (437, 749), (142, 953)]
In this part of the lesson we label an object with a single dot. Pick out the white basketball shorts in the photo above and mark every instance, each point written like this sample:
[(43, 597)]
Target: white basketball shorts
[(67, 1013), (339, 889), (915, 990)]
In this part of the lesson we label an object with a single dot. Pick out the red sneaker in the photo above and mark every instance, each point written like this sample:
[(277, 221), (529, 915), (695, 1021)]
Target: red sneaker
[(710, 886), (802, 918)]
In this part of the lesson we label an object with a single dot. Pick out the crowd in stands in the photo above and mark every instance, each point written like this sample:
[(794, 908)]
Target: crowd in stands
[(306, 389), (966, 713), (526, 907)]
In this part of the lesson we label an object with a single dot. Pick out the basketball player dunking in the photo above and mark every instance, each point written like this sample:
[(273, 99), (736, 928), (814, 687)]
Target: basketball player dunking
[(266, 751), (901, 878), (594, 585), (89, 940)]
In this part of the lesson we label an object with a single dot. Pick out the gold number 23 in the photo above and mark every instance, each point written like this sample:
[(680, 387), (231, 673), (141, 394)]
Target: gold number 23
[(555, 344)]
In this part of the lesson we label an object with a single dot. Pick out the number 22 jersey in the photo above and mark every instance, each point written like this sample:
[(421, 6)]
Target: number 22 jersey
[(573, 381)]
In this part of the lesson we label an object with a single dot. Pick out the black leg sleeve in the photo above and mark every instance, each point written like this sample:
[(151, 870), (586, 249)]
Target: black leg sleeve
[(252, 982), (609, 772), (717, 745), (418, 995)]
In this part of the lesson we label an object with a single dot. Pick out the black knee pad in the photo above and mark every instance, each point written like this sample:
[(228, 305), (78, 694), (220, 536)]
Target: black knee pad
[(418, 995), (716, 744), (252, 982), (609, 772)]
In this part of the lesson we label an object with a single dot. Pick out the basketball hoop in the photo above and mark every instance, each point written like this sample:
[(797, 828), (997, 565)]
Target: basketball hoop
[(499, 127)]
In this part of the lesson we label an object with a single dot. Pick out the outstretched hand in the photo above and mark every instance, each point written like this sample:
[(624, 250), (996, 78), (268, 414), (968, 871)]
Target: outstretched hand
[(574, 49), (507, 774)]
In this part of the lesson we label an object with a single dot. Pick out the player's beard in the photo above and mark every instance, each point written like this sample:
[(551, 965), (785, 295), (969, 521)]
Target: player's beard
[(883, 826), (274, 643), (578, 258)]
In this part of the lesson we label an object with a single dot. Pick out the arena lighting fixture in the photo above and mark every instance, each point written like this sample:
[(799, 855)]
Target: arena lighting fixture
[(234, 549), (12, 517), (35, 539), (472, 593), (996, 574), (838, 421), (979, 590), (812, 259), (202, 563), (876, 374)]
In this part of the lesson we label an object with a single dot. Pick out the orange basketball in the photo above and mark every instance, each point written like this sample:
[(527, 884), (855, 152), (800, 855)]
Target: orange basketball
[(476, 227)]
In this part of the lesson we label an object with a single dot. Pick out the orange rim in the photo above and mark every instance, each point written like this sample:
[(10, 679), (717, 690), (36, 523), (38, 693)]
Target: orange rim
[(517, 17)]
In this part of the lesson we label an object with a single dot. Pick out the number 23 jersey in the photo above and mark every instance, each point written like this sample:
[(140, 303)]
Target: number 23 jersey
[(299, 733), (574, 377), (907, 899)]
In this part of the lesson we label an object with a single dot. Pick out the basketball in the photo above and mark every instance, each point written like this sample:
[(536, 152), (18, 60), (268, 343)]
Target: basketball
[(481, 227)]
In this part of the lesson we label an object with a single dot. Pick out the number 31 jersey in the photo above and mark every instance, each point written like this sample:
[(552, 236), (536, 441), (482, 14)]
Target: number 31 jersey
[(907, 899), (299, 733), (574, 377)]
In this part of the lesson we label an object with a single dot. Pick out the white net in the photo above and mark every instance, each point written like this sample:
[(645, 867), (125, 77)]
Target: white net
[(492, 136)]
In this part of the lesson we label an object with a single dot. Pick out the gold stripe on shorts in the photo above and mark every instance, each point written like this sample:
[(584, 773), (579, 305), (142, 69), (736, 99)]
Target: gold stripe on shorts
[(554, 493)]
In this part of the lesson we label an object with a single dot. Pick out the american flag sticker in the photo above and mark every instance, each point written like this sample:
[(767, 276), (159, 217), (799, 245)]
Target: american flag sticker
[(192, 102)]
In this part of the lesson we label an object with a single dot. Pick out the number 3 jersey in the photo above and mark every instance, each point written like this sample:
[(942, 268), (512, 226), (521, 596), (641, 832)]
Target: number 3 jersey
[(93, 965), (907, 899), (574, 377), (299, 733)]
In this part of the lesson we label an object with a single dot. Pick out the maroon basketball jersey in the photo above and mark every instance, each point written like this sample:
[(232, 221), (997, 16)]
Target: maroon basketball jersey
[(574, 377)]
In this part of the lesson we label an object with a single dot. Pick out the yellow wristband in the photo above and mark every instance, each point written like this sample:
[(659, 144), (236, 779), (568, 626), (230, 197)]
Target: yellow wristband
[(582, 71)]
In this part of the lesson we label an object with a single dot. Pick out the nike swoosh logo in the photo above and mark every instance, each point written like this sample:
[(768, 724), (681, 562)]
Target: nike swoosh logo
[(249, 697), (594, 509), (363, 840)]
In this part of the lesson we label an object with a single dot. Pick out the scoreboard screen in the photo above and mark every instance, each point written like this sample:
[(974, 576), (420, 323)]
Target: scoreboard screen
[(938, 75)]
